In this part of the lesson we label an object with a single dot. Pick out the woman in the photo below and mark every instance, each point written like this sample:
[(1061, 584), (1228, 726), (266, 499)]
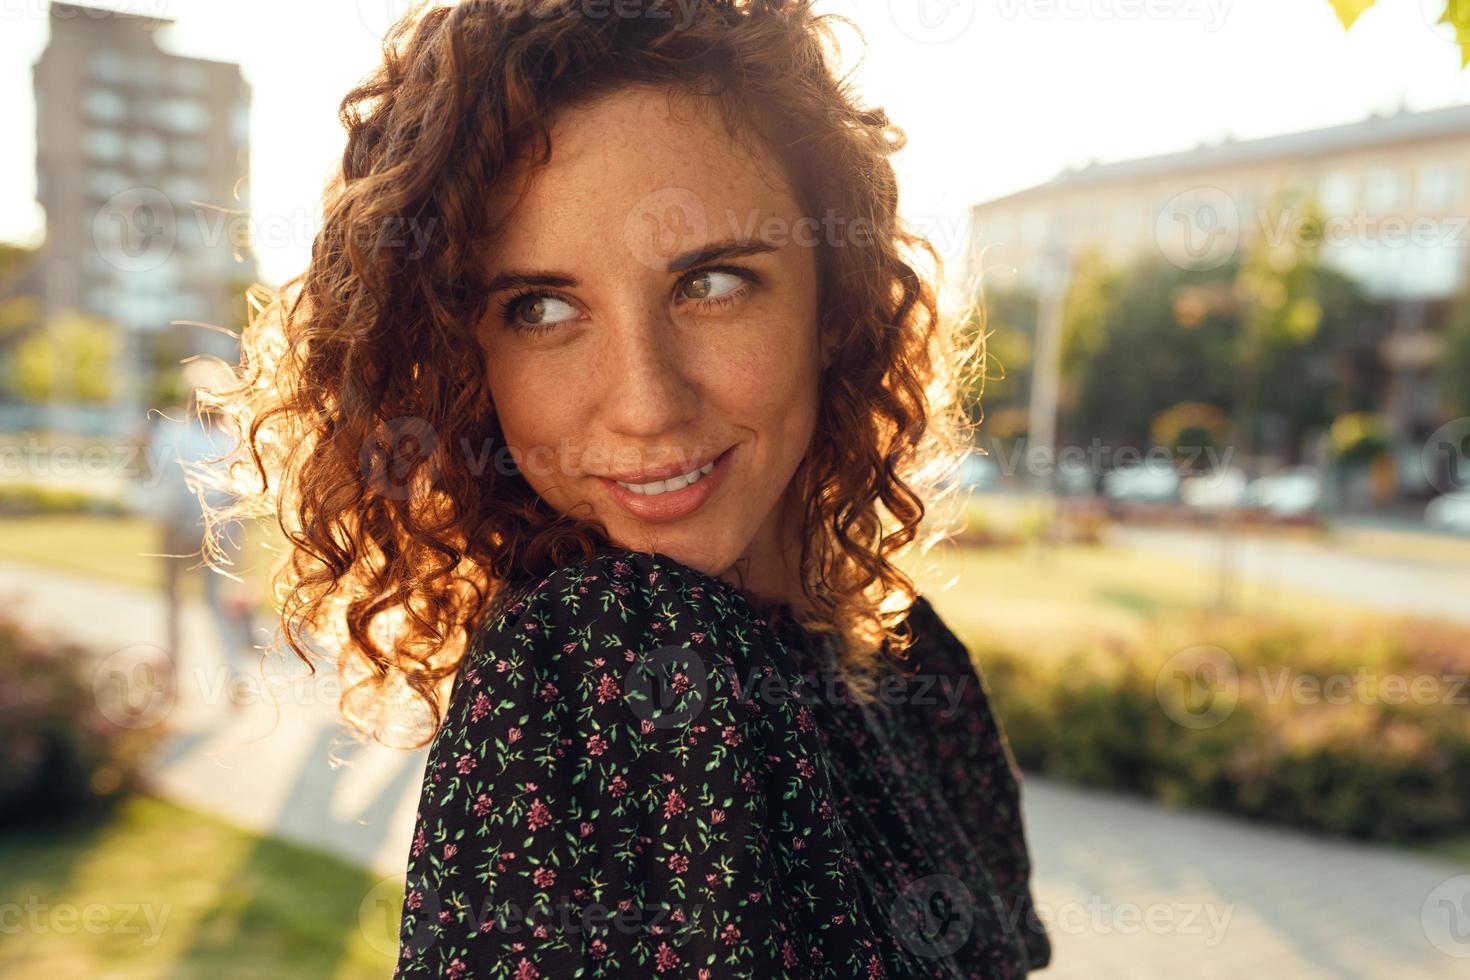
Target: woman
[(598, 421)]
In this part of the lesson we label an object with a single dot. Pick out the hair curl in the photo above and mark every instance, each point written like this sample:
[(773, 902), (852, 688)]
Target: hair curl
[(353, 380)]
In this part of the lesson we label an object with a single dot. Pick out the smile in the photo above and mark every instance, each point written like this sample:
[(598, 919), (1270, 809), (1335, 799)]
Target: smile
[(672, 497), (672, 483)]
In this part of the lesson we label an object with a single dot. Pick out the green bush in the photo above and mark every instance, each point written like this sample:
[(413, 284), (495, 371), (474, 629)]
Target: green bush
[(61, 753), (1326, 728)]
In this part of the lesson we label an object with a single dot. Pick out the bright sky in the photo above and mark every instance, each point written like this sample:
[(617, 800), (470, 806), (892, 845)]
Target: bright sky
[(995, 95)]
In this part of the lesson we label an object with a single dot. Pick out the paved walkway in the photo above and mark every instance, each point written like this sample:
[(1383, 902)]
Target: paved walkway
[(1127, 888)]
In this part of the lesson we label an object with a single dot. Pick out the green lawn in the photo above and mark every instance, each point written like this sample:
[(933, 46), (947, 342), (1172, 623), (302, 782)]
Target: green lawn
[(158, 890), (118, 549)]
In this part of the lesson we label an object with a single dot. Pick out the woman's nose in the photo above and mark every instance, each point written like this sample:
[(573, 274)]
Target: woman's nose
[(650, 389)]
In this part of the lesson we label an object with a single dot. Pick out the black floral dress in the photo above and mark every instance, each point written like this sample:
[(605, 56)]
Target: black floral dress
[(641, 773)]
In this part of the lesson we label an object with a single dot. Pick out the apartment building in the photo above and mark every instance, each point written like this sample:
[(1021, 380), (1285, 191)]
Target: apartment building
[(141, 159)]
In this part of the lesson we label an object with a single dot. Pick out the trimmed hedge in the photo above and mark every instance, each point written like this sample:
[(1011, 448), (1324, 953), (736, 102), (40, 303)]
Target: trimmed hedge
[(1360, 730), (61, 754)]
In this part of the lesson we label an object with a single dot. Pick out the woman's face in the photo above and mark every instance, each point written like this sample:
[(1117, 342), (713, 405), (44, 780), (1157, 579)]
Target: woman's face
[(655, 315)]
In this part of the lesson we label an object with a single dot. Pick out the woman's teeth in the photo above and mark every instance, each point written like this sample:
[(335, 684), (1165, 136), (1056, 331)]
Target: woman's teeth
[(672, 483)]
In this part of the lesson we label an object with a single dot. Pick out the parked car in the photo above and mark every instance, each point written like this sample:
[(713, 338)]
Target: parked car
[(1450, 513), (1147, 482), (1221, 489), (1294, 492)]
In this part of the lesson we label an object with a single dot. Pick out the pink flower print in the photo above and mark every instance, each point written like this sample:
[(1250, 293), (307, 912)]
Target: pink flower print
[(514, 735), (539, 815), (678, 864), (674, 804), (717, 816), (418, 842), (607, 689), (697, 637), (788, 954), (704, 973), (586, 828), (805, 767), (596, 744), (616, 787), (838, 919), (481, 707), (501, 666), (804, 719), (568, 647), (548, 692), (797, 843), (482, 804), (455, 969), (730, 935), (464, 764), (621, 567), (543, 877), (665, 959), (525, 971), (730, 735), (645, 726), (415, 898), (875, 968), (532, 627), (450, 850), (681, 682), (599, 662), (599, 949)]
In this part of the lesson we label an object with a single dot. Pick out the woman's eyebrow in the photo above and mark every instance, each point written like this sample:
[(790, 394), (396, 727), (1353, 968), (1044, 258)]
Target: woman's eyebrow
[(733, 248)]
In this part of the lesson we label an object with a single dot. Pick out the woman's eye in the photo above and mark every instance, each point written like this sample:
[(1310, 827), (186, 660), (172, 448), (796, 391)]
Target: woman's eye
[(540, 311), (711, 285)]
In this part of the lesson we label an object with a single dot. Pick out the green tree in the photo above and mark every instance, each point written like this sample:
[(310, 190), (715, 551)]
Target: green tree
[(70, 359)]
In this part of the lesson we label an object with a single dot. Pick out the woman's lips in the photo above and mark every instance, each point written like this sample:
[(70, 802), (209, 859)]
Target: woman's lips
[(670, 505)]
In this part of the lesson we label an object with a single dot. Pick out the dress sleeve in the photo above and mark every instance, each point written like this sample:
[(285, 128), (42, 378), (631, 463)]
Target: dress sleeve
[(607, 798)]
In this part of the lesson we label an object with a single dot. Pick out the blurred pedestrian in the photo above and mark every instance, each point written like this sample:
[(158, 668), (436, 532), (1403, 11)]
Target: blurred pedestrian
[(186, 435)]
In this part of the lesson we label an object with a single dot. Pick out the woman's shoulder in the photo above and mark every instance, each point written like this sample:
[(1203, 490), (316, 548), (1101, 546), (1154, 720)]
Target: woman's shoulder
[(619, 592)]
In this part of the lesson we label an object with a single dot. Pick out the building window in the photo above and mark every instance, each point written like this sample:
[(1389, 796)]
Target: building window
[(106, 105), (1337, 192), (1385, 191), (106, 183), (104, 144), (240, 124), (190, 154), (1441, 185), (148, 151), (181, 115), (109, 66)]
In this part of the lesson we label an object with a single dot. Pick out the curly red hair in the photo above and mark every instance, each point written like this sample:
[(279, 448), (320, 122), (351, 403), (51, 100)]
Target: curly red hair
[(366, 422)]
